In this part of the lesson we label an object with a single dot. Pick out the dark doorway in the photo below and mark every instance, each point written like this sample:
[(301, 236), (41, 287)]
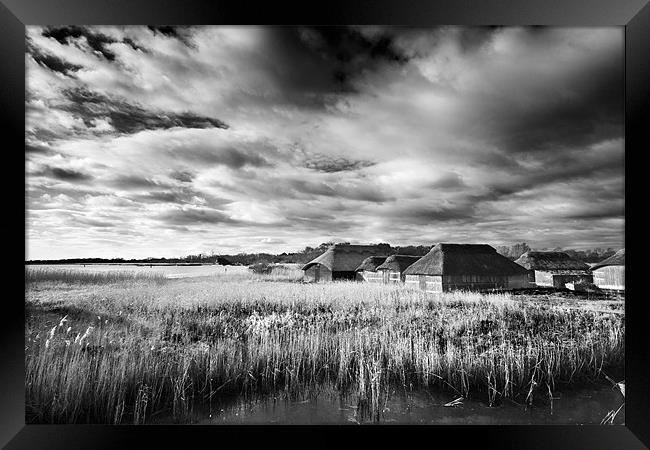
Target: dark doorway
[(344, 275)]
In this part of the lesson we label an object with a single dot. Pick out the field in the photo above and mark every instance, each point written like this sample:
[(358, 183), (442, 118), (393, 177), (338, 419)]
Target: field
[(128, 347)]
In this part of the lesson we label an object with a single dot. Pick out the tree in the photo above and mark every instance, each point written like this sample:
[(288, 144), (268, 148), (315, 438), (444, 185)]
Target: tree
[(513, 251)]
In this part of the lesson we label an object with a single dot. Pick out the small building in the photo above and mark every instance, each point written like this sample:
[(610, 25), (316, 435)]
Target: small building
[(449, 267), (220, 260), (340, 261), (367, 270), (392, 270), (554, 269), (610, 273)]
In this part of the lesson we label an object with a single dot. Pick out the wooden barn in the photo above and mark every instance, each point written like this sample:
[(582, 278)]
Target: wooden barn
[(554, 269), (610, 273), (367, 270), (449, 267), (392, 270), (340, 261)]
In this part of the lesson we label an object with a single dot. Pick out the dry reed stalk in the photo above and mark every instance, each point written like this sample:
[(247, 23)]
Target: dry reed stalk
[(194, 341)]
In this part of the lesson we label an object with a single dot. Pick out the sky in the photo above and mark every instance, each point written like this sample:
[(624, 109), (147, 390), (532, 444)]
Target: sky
[(167, 141)]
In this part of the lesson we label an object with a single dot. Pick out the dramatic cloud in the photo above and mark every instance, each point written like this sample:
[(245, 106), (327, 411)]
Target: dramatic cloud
[(66, 174), (183, 34), (97, 42), (169, 140), (53, 63), (323, 163), (125, 117)]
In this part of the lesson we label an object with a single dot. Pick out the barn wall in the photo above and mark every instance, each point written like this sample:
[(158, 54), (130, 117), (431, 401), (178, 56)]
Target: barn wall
[(428, 283), (480, 282), (340, 275), (610, 277), (557, 280), (432, 283), (370, 277), (391, 276), (560, 281), (324, 273), (437, 283), (309, 274), (518, 281), (531, 276), (543, 278), (412, 281)]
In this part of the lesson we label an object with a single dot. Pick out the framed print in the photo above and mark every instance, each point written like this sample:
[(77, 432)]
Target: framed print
[(254, 220)]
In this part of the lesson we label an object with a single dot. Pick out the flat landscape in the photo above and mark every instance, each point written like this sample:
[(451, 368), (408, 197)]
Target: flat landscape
[(325, 225), (135, 345)]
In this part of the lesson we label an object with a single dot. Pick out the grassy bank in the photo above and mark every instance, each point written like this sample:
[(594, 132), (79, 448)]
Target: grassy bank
[(128, 352)]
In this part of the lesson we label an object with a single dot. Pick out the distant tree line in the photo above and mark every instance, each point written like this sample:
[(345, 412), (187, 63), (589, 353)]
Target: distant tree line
[(513, 251), (308, 253), (190, 259), (590, 255)]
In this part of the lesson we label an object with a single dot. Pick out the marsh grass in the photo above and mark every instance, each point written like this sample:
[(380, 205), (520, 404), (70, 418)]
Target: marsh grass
[(176, 349), (76, 276), (284, 273)]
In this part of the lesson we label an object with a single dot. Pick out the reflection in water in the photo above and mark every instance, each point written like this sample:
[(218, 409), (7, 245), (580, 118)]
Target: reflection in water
[(584, 406)]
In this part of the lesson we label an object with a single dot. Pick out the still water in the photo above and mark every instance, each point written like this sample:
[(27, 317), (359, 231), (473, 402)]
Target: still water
[(582, 406)]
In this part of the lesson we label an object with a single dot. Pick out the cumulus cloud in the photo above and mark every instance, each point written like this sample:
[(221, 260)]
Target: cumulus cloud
[(165, 140)]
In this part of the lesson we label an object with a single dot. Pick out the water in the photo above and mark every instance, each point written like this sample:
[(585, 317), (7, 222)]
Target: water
[(168, 271), (572, 407)]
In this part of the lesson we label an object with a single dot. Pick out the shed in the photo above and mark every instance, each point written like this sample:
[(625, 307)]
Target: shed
[(392, 270), (340, 261), (610, 272), (450, 267), (554, 269), (220, 260), (367, 270)]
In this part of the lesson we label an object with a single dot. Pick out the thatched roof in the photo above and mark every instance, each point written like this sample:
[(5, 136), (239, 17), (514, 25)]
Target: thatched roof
[(617, 259), (398, 263), (345, 257), (223, 261), (464, 259), (550, 261), (370, 263)]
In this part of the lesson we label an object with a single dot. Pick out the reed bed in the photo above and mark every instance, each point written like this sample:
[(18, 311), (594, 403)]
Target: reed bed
[(138, 352), (74, 276), (290, 274)]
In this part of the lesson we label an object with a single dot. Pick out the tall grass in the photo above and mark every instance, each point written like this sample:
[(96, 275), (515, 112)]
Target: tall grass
[(74, 276), (180, 348), (284, 273)]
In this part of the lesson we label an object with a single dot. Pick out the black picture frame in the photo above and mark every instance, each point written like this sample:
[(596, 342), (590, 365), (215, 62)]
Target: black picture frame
[(634, 15)]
